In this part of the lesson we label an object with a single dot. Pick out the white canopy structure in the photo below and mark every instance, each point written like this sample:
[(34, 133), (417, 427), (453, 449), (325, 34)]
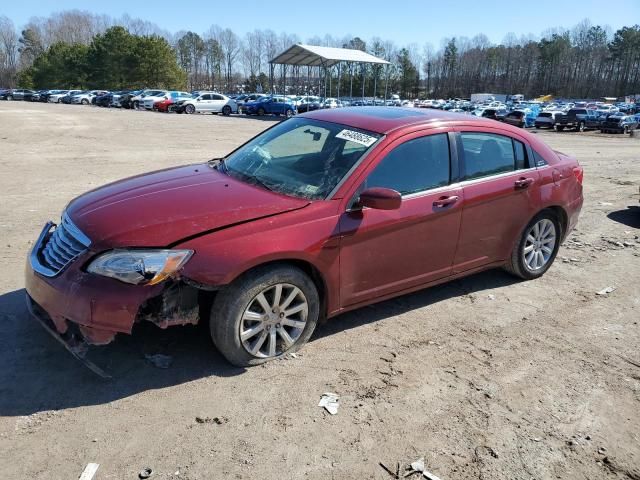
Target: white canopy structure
[(314, 56), (324, 58)]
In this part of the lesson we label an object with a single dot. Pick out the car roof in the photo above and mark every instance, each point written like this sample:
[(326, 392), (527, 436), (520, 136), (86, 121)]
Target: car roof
[(385, 119)]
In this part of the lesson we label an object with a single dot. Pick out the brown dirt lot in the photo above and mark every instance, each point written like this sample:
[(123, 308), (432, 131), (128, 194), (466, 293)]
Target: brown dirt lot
[(486, 377)]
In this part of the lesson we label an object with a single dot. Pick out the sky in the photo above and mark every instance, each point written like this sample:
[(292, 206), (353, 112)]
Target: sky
[(405, 21)]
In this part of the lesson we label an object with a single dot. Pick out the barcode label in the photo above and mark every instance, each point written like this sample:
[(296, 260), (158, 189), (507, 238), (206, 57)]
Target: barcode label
[(357, 137)]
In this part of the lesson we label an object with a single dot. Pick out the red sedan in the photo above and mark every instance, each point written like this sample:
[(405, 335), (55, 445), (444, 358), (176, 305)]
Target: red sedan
[(163, 105), (320, 214)]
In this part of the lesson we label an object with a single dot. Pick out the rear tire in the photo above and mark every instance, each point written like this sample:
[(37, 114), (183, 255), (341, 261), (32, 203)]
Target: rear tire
[(523, 264), (9, 98), (580, 127), (236, 301), (261, 111)]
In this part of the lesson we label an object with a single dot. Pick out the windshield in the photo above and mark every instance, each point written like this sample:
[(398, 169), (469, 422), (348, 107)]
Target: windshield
[(300, 157)]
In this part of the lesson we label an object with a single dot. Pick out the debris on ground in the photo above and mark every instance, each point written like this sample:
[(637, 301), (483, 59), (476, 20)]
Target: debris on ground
[(159, 360), (418, 467), (605, 291), (395, 475), (330, 402), (216, 420), (145, 473), (89, 471)]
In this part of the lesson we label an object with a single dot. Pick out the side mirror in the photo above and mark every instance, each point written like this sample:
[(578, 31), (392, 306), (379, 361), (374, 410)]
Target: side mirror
[(380, 199)]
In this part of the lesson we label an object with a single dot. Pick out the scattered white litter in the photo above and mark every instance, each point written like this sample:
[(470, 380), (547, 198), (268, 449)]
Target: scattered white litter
[(330, 402), (418, 466), (89, 471), (606, 291)]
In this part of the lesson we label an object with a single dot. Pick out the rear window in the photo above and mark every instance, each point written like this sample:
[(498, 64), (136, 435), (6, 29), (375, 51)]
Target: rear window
[(577, 111)]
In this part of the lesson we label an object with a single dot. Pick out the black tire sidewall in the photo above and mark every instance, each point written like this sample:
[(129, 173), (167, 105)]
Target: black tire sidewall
[(226, 110), (261, 111), (230, 303), (524, 271)]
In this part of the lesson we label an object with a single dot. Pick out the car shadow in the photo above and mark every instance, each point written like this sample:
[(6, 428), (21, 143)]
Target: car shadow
[(40, 375), (412, 301), (629, 216)]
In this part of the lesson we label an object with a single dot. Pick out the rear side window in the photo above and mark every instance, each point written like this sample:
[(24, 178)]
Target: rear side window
[(539, 159), (416, 165), (488, 154), (217, 97)]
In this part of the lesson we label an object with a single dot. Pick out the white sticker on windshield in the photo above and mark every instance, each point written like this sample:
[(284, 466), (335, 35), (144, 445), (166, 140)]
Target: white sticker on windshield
[(361, 138)]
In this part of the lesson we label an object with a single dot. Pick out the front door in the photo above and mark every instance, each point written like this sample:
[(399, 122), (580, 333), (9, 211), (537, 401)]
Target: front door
[(388, 251)]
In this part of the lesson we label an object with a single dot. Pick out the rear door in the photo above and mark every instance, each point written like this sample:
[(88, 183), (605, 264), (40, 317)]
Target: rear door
[(217, 102), (501, 191), (384, 252)]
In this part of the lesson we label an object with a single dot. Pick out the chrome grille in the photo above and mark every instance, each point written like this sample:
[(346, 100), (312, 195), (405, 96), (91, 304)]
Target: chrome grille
[(60, 248)]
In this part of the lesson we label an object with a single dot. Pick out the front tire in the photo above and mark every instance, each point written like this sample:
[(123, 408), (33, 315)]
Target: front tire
[(84, 102), (9, 98), (261, 111), (289, 113), (580, 127), (226, 110), (536, 248), (264, 314), (189, 109)]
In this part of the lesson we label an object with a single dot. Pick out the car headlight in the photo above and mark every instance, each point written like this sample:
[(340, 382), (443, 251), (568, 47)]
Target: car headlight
[(140, 267)]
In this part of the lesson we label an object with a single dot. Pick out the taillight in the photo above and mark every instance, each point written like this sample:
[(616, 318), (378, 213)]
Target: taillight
[(579, 173)]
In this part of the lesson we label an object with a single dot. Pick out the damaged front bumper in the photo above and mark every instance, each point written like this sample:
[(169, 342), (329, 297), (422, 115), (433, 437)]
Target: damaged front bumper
[(72, 340), (81, 309)]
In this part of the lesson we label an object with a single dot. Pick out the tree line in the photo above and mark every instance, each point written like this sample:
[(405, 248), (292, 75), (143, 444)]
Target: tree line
[(76, 49)]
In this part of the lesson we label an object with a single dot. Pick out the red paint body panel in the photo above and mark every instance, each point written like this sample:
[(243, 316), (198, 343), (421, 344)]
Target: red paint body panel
[(361, 257), (160, 208)]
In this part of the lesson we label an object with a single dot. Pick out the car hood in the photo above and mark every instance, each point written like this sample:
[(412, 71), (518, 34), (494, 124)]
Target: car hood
[(162, 208)]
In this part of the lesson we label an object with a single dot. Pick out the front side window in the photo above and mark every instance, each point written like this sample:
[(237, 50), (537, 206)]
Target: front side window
[(300, 157), (416, 165), (490, 154)]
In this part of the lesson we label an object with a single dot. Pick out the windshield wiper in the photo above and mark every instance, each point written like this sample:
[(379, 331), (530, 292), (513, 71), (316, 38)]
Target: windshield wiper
[(218, 164)]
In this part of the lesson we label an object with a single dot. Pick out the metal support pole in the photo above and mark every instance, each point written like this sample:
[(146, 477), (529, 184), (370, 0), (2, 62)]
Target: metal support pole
[(339, 74), (386, 82), (351, 79), (271, 77), (363, 78)]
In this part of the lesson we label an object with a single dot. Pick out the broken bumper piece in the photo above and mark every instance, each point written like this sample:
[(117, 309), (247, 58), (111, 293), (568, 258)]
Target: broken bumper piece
[(72, 339)]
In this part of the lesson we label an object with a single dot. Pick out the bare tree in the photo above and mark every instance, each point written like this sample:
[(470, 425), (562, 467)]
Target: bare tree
[(8, 52)]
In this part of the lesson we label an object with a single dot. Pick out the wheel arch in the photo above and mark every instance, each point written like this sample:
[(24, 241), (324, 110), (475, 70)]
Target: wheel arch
[(311, 270), (562, 216)]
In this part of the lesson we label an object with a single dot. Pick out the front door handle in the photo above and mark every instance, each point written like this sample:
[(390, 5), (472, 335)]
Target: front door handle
[(523, 182), (445, 201)]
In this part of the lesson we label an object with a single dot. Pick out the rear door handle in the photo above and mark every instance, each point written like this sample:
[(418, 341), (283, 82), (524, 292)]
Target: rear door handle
[(523, 182), (445, 201)]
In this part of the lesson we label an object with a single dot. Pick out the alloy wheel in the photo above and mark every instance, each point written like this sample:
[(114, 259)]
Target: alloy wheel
[(539, 244), (274, 320)]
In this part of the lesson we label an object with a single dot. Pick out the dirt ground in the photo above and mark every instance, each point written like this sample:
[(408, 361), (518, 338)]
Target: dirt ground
[(486, 377)]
